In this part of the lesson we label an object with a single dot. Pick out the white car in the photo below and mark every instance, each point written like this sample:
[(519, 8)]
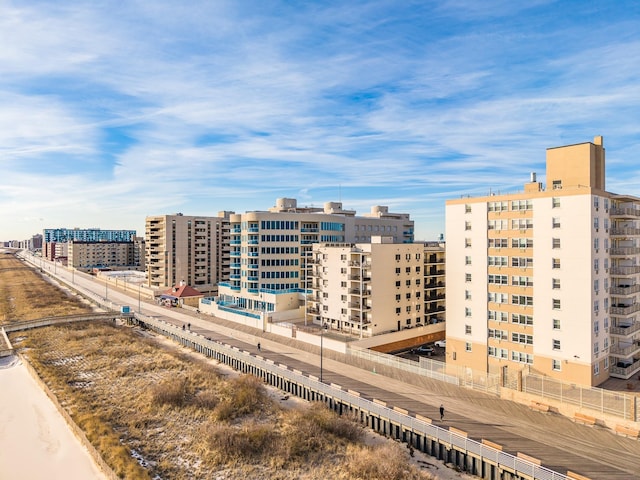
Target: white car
[(441, 343)]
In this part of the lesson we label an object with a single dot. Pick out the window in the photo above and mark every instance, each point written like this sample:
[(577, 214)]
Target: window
[(521, 300), (408, 309), (596, 202), (555, 223), (397, 270), (467, 277), (596, 264), (596, 285), (467, 294), (596, 243), (407, 283), (521, 319), (398, 297), (557, 184), (397, 283), (555, 283), (467, 312), (467, 329), (556, 304), (407, 270), (467, 346), (397, 257), (555, 263), (556, 365), (467, 208), (556, 324), (408, 321), (555, 243), (596, 369), (467, 260), (596, 327), (498, 279), (467, 243), (522, 338), (555, 202), (467, 225), (596, 306), (596, 223), (398, 310), (556, 344), (408, 296)]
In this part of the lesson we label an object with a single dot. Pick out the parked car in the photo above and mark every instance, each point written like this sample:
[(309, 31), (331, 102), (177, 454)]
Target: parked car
[(441, 343), (423, 350)]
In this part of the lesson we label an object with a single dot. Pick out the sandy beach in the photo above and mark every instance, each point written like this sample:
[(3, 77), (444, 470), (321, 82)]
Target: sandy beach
[(35, 441)]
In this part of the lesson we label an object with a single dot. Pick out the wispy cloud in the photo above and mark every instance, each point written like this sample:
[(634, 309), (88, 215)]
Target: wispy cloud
[(112, 112)]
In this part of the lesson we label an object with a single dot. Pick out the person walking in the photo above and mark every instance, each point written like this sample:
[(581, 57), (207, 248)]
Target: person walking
[(441, 412), (258, 346)]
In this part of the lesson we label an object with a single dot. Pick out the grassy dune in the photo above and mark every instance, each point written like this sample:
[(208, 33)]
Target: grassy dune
[(154, 410)]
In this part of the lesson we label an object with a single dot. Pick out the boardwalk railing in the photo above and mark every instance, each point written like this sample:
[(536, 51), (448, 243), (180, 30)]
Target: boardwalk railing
[(474, 457)]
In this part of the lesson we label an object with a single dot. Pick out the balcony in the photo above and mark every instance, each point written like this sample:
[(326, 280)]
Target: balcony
[(625, 330), (624, 350), (624, 231), (624, 251), (621, 309), (624, 212), (625, 289), (354, 277), (630, 270), (622, 370)]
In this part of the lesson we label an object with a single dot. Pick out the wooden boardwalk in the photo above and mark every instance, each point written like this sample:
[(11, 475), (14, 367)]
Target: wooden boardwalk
[(558, 442)]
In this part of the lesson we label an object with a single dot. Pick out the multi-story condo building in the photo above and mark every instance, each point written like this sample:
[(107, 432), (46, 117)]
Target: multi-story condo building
[(52, 236), (547, 279), (268, 250), (89, 255), (367, 288), (183, 248)]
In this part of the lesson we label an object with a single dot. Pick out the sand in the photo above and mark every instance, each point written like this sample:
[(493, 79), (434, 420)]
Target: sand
[(35, 440)]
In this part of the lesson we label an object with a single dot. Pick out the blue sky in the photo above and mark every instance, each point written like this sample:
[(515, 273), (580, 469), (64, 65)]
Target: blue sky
[(113, 111)]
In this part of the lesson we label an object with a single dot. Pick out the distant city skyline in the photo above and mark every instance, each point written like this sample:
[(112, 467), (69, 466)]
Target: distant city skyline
[(114, 113)]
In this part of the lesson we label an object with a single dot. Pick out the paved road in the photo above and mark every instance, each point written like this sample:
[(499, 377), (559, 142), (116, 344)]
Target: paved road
[(561, 444)]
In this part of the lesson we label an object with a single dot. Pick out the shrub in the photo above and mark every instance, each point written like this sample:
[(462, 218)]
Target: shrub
[(171, 392), (243, 396), (385, 462), (248, 443)]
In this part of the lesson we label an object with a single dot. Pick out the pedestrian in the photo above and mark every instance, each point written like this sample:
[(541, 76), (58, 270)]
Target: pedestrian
[(183, 328), (189, 326), (441, 412), (258, 346)]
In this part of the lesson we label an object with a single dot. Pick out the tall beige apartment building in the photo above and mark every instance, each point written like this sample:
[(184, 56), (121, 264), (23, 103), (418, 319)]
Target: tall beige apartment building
[(367, 288), (547, 278), (181, 248)]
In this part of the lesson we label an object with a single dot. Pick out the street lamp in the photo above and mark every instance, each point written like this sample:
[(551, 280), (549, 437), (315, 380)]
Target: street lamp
[(324, 327)]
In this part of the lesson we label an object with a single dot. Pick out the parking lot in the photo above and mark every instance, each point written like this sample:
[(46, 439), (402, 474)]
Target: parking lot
[(428, 350)]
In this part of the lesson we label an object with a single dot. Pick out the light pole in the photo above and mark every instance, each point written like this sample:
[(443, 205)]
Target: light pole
[(139, 301), (322, 329)]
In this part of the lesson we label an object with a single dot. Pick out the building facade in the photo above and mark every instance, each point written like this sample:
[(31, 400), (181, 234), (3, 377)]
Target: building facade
[(367, 288), (181, 248), (89, 255), (547, 279), (53, 236), (268, 251)]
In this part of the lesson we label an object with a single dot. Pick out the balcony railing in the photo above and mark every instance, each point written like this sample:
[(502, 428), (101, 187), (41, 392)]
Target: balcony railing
[(625, 231), (624, 251), (624, 309), (624, 372), (625, 289), (625, 330), (624, 212), (630, 270), (624, 350)]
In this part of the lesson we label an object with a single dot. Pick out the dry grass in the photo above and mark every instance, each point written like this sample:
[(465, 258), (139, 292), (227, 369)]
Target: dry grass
[(152, 411), (26, 296)]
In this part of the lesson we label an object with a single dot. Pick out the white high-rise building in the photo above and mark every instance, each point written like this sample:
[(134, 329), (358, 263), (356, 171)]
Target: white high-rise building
[(547, 278), (268, 251)]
